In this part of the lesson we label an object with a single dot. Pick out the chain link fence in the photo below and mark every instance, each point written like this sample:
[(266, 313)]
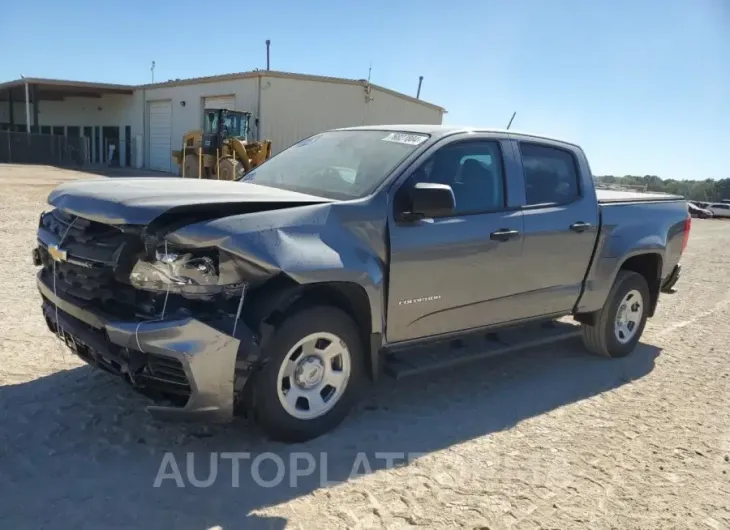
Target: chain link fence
[(25, 148)]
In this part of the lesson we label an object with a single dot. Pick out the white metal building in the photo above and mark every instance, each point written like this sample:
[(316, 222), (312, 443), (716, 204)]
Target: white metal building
[(147, 122)]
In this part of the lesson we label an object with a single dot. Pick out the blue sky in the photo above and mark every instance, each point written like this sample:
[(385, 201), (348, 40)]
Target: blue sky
[(642, 85)]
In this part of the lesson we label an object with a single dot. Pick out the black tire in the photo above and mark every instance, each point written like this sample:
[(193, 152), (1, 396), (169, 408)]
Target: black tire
[(268, 412), (229, 169), (600, 338)]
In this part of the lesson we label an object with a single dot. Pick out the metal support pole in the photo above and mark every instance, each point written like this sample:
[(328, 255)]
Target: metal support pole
[(200, 162), (35, 108), (27, 107), (217, 164), (11, 110)]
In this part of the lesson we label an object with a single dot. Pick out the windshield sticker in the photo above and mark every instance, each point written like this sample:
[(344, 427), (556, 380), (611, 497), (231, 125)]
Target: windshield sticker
[(406, 138)]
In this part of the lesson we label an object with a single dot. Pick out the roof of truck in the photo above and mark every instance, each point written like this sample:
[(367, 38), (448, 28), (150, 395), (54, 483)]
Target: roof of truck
[(439, 131)]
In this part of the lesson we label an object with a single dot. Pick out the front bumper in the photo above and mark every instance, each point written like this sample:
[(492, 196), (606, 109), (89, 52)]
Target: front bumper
[(186, 357), (672, 279)]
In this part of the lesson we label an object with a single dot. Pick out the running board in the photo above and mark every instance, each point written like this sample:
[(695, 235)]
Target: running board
[(446, 354)]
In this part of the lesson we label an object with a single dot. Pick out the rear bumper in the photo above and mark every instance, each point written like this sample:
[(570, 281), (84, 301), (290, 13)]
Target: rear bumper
[(183, 358), (672, 279)]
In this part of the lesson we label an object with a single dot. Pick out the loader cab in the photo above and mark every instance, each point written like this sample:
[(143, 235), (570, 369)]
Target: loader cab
[(219, 124)]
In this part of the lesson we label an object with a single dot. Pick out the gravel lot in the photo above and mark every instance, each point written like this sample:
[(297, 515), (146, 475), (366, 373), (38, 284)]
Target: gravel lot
[(544, 439)]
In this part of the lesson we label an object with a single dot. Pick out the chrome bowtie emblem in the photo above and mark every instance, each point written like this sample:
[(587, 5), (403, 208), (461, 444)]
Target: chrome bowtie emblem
[(57, 253)]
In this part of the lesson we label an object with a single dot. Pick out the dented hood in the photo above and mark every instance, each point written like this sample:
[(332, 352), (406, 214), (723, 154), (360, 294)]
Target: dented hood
[(138, 201)]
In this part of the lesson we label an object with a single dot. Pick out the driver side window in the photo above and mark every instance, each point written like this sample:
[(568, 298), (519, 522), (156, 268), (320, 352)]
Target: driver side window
[(474, 171)]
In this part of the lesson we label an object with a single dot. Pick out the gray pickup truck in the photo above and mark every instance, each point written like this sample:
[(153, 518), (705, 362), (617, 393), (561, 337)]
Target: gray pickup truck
[(354, 253)]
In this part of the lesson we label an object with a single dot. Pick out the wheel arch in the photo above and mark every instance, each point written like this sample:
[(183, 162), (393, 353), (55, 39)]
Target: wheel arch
[(282, 297), (649, 265)]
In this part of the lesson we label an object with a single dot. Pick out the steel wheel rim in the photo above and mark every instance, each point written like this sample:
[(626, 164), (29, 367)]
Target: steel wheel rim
[(313, 375), (628, 316)]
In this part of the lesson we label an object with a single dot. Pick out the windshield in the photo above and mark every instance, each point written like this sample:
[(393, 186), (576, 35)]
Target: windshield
[(235, 124), (337, 164)]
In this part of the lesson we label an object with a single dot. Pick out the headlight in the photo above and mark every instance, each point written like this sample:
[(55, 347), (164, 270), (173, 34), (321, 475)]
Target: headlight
[(194, 273)]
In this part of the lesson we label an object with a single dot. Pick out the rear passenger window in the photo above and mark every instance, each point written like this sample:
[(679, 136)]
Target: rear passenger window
[(551, 175)]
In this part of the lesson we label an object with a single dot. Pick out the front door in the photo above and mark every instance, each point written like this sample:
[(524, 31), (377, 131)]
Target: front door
[(453, 273)]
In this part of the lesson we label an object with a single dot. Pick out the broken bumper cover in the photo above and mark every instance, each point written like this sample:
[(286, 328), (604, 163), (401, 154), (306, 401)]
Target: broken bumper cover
[(672, 279), (192, 358)]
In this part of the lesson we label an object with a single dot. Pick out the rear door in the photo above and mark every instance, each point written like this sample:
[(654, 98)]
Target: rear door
[(560, 226), (454, 273)]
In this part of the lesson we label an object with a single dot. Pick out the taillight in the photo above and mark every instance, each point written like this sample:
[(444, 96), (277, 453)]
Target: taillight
[(685, 237)]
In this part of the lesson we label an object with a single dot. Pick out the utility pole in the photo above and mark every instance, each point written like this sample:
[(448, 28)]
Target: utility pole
[(152, 69)]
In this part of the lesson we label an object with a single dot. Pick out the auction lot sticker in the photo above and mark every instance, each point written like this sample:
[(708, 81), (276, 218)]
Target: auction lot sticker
[(406, 138)]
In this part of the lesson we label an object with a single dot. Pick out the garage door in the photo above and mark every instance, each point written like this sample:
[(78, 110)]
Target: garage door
[(220, 102), (160, 116)]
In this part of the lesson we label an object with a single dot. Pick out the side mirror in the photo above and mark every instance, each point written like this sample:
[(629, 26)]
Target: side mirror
[(430, 200)]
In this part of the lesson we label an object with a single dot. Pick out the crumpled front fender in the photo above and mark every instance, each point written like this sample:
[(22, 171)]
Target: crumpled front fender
[(339, 242)]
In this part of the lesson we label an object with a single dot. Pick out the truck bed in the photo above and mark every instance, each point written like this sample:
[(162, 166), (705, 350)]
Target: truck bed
[(606, 196)]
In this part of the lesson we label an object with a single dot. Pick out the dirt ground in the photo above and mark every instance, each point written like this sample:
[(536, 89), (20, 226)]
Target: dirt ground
[(542, 439)]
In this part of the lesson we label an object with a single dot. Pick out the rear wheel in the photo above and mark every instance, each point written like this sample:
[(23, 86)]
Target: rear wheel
[(618, 326), (191, 166), (312, 376)]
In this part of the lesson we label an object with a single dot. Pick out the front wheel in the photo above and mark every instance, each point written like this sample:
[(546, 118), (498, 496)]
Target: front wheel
[(312, 375), (618, 326), (229, 169)]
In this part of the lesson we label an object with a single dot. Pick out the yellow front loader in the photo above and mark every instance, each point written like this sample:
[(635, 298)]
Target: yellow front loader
[(222, 149)]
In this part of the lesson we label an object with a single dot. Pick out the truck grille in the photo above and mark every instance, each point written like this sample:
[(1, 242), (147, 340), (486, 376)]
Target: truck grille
[(85, 239), (99, 259)]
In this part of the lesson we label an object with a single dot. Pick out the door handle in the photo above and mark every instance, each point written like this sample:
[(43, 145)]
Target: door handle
[(504, 235), (580, 226)]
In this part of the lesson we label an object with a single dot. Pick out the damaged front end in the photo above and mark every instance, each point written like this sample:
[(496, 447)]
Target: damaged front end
[(179, 295), (167, 319)]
